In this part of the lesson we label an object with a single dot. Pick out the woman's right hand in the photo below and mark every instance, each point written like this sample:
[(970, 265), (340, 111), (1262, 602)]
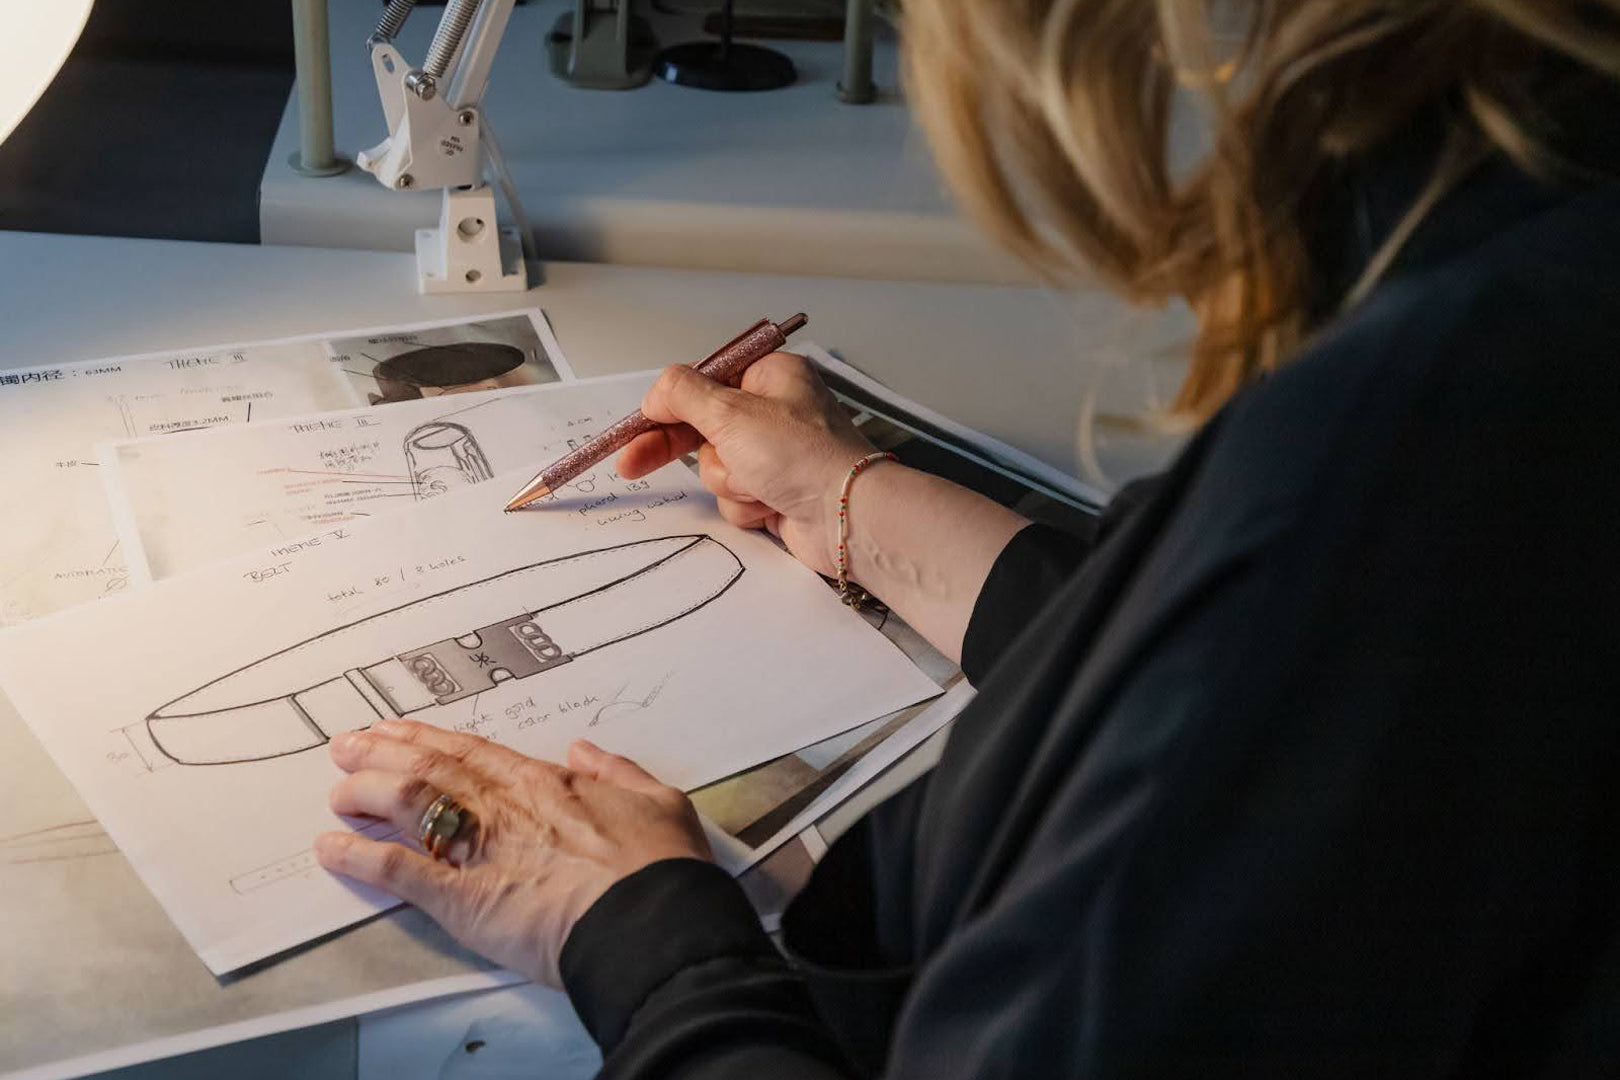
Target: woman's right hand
[(774, 452)]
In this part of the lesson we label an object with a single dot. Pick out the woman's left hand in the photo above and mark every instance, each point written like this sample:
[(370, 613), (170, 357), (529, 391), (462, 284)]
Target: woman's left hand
[(548, 840)]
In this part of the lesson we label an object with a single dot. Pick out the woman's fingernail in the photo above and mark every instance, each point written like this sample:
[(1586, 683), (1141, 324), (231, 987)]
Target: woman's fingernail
[(329, 844), (387, 727), (345, 742)]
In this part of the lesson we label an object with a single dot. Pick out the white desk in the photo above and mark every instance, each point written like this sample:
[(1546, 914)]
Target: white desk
[(788, 181), (1013, 361)]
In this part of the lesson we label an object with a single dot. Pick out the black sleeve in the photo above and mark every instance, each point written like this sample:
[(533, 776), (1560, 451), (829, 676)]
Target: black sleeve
[(1376, 847), (1029, 571), (673, 976)]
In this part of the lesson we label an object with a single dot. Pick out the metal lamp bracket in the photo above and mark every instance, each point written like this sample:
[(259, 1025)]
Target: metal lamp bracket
[(438, 138), (469, 251), (452, 137)]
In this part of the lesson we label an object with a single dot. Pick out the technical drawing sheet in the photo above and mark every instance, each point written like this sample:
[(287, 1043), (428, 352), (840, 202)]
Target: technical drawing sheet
[(182, 503), (59, 547), (193, 716)]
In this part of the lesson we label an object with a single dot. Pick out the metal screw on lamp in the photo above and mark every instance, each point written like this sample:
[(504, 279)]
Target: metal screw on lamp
[(725, 64)]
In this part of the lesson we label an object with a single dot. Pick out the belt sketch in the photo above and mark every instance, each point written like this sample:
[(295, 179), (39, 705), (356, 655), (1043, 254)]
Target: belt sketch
[(527, 620)]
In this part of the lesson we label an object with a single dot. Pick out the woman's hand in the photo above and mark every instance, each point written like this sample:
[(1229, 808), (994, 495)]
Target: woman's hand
[(774, 452), (548, 840)]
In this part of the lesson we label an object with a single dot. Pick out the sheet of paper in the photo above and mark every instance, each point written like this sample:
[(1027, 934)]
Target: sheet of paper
[(192, 716), (904, 734), (225, 491), (180, 504), (752, 811), (59, 547), (989, 452)]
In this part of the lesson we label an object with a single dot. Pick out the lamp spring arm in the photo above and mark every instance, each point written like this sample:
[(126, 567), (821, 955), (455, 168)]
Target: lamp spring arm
[(458, 14), (392, 21)]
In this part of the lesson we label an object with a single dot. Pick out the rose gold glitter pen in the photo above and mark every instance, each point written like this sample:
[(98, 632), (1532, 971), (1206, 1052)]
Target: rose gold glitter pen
[(725, 365)]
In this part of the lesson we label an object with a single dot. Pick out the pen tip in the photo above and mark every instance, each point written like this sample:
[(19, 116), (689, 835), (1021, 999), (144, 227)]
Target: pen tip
[(524, 498)]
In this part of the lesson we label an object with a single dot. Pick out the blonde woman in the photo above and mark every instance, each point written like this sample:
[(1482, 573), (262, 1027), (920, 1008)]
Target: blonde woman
[(1305, 765)]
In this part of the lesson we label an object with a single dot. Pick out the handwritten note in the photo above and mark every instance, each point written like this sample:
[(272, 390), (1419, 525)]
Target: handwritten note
[(179, 505)]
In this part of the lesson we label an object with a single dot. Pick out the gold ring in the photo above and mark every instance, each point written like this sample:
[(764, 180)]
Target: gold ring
[(441, 823)]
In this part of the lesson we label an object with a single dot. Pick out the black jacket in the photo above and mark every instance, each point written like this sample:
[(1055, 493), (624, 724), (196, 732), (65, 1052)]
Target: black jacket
[(1308, 768)]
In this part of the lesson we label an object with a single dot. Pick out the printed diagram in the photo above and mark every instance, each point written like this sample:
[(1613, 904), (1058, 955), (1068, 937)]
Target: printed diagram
[(441, 456), (526, 622), (431, 361), (447, 369)]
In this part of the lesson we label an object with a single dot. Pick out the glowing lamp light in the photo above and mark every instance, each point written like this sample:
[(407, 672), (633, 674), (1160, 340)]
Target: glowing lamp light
[(36, 43)]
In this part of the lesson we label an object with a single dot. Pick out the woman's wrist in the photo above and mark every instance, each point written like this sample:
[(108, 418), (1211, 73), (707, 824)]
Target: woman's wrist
[(922, 545), (841, 526)]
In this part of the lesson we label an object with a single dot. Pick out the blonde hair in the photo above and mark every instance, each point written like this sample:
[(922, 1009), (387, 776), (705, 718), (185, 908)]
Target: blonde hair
[(1051, 120)]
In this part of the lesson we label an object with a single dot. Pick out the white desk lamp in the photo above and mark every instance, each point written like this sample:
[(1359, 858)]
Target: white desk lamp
[(438, 138), (37, 41)]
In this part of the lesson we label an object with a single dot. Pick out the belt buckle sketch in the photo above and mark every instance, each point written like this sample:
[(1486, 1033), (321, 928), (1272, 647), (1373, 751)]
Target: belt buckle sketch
[(293, 700)]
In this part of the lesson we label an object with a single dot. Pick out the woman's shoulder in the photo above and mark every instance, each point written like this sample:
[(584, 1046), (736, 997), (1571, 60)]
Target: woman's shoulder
[(1503, 349), (1490, 286)]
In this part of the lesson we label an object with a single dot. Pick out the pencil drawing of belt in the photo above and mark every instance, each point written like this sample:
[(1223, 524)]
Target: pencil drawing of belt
[(527, 620)]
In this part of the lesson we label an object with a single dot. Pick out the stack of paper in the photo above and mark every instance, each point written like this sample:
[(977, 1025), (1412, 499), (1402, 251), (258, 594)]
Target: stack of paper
[(297, 576)]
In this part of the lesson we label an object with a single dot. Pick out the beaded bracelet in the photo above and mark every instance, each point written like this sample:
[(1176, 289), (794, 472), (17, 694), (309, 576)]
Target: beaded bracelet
[(853, 595)]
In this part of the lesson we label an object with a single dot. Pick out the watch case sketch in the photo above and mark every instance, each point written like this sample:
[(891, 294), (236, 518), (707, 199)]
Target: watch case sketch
[(441, 456), (527, 621)]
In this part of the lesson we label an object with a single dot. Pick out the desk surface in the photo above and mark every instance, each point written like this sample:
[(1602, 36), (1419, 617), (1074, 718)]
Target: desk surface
[(1015, 362), (789, 180)]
